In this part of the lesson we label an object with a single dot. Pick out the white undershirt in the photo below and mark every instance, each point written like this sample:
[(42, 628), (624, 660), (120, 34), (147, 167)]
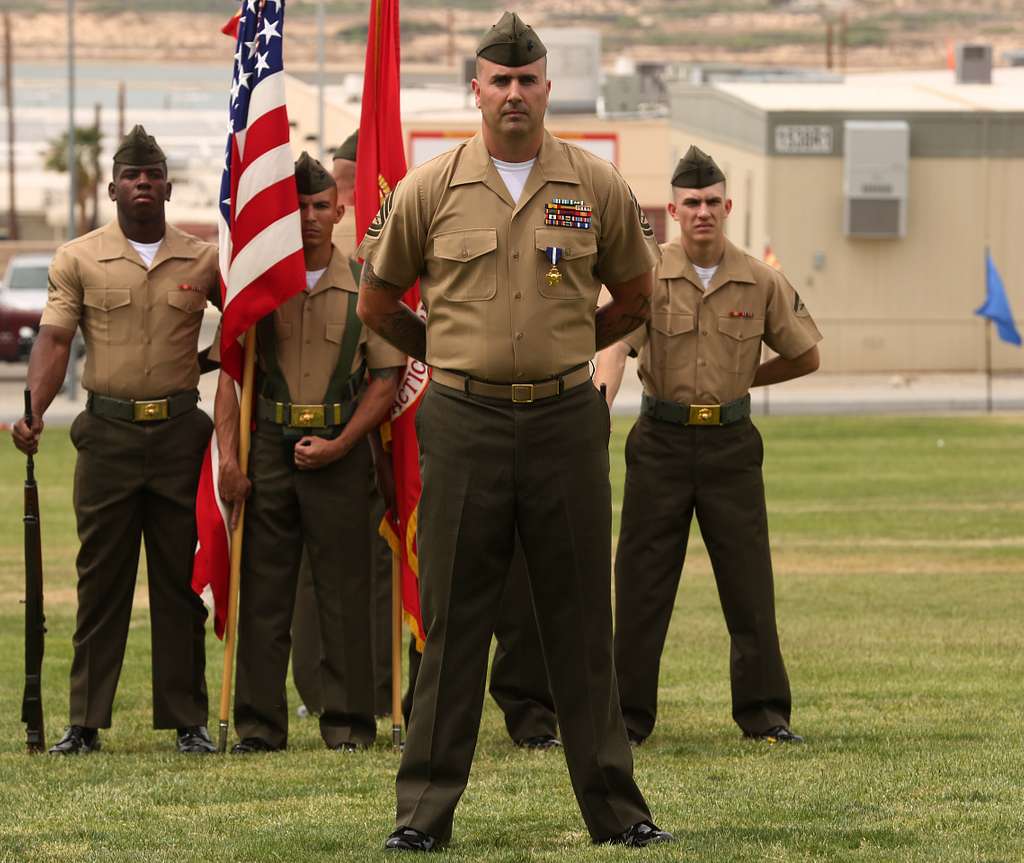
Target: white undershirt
[(514, 174), (706, 274), (312, 277), (147, 251)]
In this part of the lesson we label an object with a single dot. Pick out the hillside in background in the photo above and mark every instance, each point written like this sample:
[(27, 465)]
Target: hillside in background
[(880, 33)]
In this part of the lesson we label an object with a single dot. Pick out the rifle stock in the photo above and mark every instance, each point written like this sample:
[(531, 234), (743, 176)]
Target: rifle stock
[(35, 622)]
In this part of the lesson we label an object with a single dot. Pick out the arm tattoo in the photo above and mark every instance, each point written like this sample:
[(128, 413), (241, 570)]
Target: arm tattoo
[(376, 283), (385, 374), (613, 324), (406, 331)]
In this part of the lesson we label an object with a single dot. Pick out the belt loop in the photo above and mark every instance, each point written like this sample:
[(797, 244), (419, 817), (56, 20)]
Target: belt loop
[(561, 384), (465, 384)]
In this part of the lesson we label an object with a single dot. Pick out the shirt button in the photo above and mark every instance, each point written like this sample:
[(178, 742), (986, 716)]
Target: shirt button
[(148, 371), (518, 295), (515, 254), (305, 374), (701, 363), (519, 336), (703, 332)]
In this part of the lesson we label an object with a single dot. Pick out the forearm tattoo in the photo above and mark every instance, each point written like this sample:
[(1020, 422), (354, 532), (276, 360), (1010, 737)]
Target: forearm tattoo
[(613, 323), (385, 374), (403, 327)]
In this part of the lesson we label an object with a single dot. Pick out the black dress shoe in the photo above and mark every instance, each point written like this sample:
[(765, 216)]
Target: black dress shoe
[(195, 738), (77, 740), (640, 835), (248, 745), (540, 743), (410, 839), (778, 734)]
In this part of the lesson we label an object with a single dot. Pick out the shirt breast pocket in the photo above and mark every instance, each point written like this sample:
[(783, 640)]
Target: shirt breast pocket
[(674, 332), (189, 302), (466, 269), (740, 348), (109, 314), (577, 251)]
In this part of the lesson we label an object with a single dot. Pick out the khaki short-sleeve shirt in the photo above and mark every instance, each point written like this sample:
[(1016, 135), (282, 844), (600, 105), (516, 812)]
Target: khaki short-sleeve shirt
[(483, 259), (704, 346), (141, 327), (309, 328)]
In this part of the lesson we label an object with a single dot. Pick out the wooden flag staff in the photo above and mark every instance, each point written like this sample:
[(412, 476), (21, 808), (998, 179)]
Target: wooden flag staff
[(231, 625)]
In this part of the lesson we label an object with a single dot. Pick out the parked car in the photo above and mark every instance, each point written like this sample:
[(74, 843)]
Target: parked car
[(22, 298)]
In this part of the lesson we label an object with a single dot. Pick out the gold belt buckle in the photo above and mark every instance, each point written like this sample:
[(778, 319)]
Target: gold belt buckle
[(705, 415), (307, 416), (146, 411), (522, 394)]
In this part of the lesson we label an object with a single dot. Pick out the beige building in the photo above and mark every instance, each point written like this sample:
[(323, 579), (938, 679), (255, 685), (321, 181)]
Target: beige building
[(885, 243), (878, 195)]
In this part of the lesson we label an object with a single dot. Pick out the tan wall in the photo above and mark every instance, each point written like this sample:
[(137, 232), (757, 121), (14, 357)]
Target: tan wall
[(903, 304)]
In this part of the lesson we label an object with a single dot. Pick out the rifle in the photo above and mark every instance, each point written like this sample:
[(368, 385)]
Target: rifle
[(35, 622)]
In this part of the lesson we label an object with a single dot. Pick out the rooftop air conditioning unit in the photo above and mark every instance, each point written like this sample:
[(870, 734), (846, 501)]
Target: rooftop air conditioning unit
[(973, 63), (875, 168)]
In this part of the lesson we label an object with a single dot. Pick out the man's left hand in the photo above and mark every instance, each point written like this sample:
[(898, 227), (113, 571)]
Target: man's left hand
[(313, 453)]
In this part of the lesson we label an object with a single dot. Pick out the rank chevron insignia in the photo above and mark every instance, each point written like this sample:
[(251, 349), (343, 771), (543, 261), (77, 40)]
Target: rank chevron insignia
[(377, 225)]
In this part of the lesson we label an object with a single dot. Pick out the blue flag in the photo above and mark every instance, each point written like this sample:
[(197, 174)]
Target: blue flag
[(996, 306)]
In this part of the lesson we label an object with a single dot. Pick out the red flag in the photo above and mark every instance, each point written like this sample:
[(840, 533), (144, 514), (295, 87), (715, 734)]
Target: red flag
[(261, 262), (380, 164), (230, 27)]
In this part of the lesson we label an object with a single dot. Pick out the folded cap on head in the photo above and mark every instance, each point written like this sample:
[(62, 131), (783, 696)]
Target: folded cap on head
[(347, 150), (310, 176), (139, 148), (511, 42), (696, 170)]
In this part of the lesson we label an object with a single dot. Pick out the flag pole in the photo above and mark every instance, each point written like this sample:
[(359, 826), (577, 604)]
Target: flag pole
[(231, 625), (988, 365), (396, 647)]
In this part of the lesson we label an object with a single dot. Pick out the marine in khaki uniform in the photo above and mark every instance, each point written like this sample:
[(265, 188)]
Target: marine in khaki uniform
[(694, 450), (307, 486), (137, 287), (512, 234)]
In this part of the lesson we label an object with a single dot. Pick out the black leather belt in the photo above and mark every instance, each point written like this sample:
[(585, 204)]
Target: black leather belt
[(142, 410), (695, 415), (520, 394)]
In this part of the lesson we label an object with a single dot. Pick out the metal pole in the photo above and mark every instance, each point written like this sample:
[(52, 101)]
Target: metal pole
[(320, 76), (97, 123), (988, 365), (72, 164), (12, 209), (120, 109)]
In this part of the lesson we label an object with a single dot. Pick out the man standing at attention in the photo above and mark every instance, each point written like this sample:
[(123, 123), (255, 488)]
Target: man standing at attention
[(694, 450), (308, 469), (513, 233), (137, 287)]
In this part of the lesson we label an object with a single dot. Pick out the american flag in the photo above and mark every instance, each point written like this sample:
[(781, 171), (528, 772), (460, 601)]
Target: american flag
[(261, 262)]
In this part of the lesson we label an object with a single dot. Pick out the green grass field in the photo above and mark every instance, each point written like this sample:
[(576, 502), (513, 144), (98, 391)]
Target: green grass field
[(899, 558)]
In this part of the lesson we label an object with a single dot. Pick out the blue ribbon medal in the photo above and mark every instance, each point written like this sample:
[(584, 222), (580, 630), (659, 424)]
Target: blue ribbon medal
[(553, 276)]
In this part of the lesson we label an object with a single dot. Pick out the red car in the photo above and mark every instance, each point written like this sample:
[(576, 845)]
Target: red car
[(22, 298)]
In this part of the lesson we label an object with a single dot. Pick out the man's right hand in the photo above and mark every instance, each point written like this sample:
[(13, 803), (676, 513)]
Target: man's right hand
[(234, 487), (25, 437)]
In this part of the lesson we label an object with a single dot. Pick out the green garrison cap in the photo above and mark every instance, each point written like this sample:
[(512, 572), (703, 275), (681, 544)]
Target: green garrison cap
[(310, 176), (347, 150), (138, 148), (696, 170), (510, 42)]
